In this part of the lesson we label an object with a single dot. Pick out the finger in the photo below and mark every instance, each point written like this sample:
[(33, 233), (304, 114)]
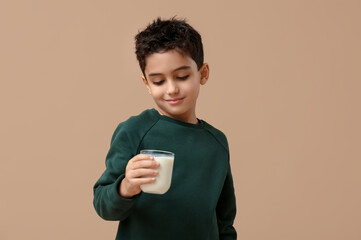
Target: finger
[(141, 173), (140, 157), (143, 164), (141, 181)]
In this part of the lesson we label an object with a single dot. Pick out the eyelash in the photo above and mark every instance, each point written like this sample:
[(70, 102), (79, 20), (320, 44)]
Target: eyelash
[(158, 83), (183, 78), (162, 81)]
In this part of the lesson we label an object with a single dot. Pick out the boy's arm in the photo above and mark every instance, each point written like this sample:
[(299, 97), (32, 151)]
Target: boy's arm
[(107, 201), (109, 204), (226, 210)]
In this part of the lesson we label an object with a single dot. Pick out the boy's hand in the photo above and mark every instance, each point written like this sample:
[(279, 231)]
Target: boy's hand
[(141, 169)]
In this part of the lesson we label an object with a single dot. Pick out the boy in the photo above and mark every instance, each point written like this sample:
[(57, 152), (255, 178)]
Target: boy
[(200, 203)]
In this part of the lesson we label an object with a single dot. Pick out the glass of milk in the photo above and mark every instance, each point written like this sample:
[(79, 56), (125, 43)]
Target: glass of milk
[(164, 178)]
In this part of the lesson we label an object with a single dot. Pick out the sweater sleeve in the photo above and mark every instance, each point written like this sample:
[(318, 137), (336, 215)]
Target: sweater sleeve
[(226, 210), (107, 202), (226, 206)]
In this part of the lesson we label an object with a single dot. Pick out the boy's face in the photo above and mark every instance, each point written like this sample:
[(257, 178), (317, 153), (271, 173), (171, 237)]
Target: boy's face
[(173, 80)]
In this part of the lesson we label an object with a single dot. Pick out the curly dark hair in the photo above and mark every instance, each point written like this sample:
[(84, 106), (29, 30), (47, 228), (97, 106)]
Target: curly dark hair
[(163, 35)]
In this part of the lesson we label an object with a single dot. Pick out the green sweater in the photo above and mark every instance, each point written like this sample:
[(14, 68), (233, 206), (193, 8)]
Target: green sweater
[(200, 203)]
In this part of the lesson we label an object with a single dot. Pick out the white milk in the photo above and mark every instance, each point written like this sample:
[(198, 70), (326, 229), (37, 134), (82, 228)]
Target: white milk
[(164, 178)]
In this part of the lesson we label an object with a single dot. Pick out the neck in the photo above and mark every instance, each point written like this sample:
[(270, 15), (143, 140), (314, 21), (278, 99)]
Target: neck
[(191, 118)]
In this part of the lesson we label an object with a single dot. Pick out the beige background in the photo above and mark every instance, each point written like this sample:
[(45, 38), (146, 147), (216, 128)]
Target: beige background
[(284, 86)]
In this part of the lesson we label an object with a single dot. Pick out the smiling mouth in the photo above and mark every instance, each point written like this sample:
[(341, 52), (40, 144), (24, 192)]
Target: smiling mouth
[(174, 100)]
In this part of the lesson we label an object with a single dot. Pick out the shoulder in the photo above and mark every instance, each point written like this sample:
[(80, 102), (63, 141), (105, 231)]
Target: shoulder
[(136, 126), (144, 119), (217, 134)]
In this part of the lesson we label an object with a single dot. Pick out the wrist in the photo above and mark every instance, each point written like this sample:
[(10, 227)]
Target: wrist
[(123, 190)]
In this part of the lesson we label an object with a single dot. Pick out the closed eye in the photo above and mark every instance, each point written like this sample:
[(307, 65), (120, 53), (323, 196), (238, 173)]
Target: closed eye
[(158, 82), (183, 78)]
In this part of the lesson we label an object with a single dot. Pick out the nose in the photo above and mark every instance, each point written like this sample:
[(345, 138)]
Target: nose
[(172, 88)]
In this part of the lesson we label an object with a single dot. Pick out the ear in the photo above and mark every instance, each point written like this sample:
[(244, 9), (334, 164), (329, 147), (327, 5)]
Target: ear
[(204, 70), (145, 81)]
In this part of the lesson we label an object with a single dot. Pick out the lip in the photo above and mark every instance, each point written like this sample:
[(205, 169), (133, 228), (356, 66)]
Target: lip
[(174, 101)]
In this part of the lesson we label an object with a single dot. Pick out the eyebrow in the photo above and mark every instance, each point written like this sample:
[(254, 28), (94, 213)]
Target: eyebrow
[(177, 69)]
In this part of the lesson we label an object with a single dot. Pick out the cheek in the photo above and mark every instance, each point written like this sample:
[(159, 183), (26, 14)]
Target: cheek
[(192, 89), (156, 93)]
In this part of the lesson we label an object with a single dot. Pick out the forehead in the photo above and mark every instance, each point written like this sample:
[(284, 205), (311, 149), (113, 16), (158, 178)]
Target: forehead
[(167, 61)]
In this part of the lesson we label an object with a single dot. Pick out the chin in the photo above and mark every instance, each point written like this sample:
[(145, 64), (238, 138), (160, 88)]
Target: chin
[(172, 111)]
